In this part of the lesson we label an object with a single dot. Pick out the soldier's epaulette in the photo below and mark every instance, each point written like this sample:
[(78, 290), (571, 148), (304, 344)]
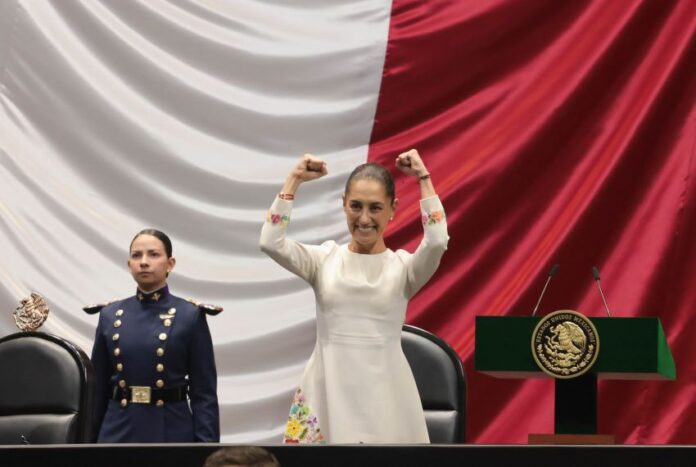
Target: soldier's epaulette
[(205, 308), (96, 308)]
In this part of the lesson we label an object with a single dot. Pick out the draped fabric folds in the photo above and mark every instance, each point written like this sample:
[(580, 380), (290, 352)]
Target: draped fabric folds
[(555, 132), (183, 116)]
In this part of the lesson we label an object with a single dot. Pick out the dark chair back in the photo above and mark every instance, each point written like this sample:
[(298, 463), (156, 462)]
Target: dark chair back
[(46, 391), (441, 383)]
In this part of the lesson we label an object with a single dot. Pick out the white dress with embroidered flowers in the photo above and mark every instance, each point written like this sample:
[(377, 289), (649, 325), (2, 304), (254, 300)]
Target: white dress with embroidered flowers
[(357, 386)]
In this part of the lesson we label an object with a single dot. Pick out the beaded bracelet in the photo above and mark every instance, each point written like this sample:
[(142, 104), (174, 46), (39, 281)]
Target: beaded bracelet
[(286, 196)]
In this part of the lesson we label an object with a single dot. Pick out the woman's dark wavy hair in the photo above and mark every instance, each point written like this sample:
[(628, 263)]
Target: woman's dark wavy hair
[(160, 235), (373, 171)]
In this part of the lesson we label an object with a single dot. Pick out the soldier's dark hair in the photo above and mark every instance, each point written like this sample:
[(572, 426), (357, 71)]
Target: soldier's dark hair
[(251, 456), (373, 171), (160, 235)]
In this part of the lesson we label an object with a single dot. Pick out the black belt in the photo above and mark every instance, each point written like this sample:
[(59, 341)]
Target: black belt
[(149, 395)]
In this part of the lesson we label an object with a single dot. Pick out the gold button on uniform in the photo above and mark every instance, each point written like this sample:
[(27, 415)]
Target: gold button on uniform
[(122, 383), (160, 351), (159, 383), (159, 403), (115, 337), (172, 311), (119, 366), (117, 323), (163, 337), (124, 402), (160, 367), (117, 352), (167, 322), (119, 312)]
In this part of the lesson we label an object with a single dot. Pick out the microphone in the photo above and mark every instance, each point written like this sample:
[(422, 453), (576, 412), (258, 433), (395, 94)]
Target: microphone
[(552, 272), (595, 273)]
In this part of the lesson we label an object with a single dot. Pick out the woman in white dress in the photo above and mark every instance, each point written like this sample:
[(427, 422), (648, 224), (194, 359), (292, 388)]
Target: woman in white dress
[(357, 386)]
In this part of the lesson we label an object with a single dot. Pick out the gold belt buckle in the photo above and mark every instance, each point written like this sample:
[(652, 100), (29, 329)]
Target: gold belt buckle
[(141, 394)]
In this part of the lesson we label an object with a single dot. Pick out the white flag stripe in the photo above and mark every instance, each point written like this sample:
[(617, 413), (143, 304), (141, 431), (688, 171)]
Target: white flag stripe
[(118, 116)]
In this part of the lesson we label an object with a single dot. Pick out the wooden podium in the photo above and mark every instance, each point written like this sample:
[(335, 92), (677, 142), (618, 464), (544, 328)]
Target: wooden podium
[(630, 348)]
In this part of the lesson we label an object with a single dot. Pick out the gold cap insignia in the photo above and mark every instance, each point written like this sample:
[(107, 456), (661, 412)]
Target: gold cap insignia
[(565, 344)]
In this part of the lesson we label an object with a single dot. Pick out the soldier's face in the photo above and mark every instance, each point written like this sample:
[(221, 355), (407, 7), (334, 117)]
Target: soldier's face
[(148, 263)]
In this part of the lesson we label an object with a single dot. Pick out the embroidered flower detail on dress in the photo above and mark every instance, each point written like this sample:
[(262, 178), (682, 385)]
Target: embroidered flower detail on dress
[(434, 217), (303, 425), (276, 218)]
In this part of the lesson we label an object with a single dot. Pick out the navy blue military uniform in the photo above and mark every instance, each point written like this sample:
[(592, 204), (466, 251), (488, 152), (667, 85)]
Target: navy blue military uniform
[(152, 352)]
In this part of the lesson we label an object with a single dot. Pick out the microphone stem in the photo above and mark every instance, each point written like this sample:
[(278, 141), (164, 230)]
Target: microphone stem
[(606, 307), (543, 291)]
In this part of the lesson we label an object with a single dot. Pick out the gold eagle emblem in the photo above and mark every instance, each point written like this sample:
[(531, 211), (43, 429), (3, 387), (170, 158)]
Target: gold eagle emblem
[(31, 312), (565, 344)]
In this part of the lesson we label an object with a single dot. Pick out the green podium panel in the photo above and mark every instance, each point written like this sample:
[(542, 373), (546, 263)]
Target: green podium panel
[(629, 348)]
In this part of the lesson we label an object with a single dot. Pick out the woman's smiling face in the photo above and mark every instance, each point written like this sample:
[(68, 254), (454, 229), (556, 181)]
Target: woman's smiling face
[(368, 211)]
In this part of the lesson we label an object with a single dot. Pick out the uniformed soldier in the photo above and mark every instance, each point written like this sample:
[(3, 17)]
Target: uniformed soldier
[(152, 355)]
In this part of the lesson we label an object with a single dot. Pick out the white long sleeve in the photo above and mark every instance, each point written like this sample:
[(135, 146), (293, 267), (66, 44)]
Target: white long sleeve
[(296, 257), (422, 264)]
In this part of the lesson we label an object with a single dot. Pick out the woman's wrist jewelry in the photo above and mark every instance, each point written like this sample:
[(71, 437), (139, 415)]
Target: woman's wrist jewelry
[(424, 177), (286, 196)]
